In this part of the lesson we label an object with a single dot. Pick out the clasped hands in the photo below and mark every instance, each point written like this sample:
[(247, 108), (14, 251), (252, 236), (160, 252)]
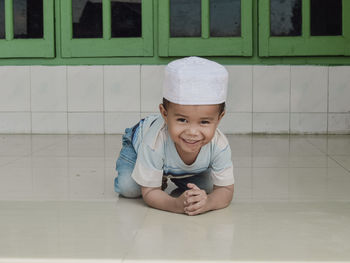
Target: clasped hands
[(195, 200)]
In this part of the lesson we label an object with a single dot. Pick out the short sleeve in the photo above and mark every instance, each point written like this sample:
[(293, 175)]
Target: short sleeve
[(222, 167), (148, 171)]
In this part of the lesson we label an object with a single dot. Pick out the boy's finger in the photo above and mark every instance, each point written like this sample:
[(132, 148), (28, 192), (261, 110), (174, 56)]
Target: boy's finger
[(194, 213), (192, 193), (194, 207), (192, 186), (194, 199)]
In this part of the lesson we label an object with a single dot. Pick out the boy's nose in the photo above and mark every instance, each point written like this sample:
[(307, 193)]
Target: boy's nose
[(193, 131)]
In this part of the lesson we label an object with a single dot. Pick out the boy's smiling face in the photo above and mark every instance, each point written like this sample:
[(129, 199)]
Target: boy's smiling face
[(191, 127)]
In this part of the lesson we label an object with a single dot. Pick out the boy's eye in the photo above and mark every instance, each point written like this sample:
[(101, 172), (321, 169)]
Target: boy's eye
[(181, 120), (205, 122)]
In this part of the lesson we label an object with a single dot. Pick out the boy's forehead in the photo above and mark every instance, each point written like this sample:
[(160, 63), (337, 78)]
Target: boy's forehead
[(194, 109)]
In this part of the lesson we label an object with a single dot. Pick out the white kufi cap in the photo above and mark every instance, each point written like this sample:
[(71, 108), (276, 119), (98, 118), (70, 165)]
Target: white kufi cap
[(195, 81)]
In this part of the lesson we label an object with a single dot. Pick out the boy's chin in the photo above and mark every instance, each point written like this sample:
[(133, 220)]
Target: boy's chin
[(191, 149)]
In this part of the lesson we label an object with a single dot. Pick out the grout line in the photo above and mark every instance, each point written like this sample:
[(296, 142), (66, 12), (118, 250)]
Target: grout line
[(140, 83), (30, 99), (329, 156), (327, 99), (67, 99), (290, 99), (103, 99), (252, 122)]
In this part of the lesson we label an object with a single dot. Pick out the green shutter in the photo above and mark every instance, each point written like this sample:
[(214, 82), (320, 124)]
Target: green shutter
[(205, 45), (107, 46), (29, 48), (305, 45)]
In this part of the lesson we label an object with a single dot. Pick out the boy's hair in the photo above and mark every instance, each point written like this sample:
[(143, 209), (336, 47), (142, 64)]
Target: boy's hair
[(221, 105)]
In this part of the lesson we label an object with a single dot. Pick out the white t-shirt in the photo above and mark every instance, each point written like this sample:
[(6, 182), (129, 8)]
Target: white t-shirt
[(157, 156)]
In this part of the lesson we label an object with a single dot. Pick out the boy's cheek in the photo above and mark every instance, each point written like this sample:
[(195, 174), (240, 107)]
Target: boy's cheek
[(174, 129)]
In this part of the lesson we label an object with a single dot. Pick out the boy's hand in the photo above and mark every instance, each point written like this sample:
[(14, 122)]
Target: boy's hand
[(195, 200)]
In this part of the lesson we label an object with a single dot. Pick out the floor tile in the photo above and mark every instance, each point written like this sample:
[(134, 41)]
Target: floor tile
[(247, 232), (343, 160), (69, 230), (15, 145), (291, 204)]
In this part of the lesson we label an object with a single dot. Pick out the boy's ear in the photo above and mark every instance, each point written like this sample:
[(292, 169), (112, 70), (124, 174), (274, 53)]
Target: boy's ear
[(163, 112), (222, 115)]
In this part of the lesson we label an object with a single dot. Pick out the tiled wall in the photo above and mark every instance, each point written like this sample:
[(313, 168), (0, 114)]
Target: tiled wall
[(107, 99)]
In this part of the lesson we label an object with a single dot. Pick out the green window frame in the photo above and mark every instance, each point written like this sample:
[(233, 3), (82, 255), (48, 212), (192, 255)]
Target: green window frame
[(106, 46), (304, 45), (29, 48), (205, 45)]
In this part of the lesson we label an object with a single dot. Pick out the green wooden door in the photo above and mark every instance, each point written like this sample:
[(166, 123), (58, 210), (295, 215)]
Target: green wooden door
[(106, 45), (205, 44), (305, 44), (34, 36)]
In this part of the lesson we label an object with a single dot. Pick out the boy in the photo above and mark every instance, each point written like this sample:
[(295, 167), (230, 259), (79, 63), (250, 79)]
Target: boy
[(182, 144)]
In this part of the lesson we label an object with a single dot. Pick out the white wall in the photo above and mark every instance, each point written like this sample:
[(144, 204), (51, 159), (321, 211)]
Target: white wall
[(107, 99)]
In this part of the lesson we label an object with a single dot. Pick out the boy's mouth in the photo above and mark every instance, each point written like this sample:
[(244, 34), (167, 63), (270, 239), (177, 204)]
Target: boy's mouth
[(190, 141)]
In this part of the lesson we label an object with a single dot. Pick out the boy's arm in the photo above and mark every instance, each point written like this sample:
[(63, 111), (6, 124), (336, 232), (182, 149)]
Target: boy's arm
[(192, 202), (155, 197), (221, 197)]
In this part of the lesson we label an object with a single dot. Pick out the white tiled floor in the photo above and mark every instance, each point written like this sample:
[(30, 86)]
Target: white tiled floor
[(291, 204)]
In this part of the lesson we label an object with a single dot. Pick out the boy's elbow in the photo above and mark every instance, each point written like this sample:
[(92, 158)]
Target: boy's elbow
[(226, 195), (230, 190)]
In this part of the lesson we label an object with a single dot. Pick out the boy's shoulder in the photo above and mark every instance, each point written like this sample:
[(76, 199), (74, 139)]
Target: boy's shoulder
[(155, 132), (219, 140)]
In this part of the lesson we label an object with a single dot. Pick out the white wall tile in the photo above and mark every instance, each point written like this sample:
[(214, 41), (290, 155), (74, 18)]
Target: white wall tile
[(309, 89), (98, 97), (85, 123), (339, 123), (14, 88), (117, 122), (85, 88), (49, 88), (122, 88), (240, 89), (271, 88), (308, 123), (236, 123), (339, 89), (49, 122), (15, 122), (151, 87), (271, 122)]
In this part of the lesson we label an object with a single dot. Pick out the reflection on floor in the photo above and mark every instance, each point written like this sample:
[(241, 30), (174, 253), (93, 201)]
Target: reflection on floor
[(292, 203)]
